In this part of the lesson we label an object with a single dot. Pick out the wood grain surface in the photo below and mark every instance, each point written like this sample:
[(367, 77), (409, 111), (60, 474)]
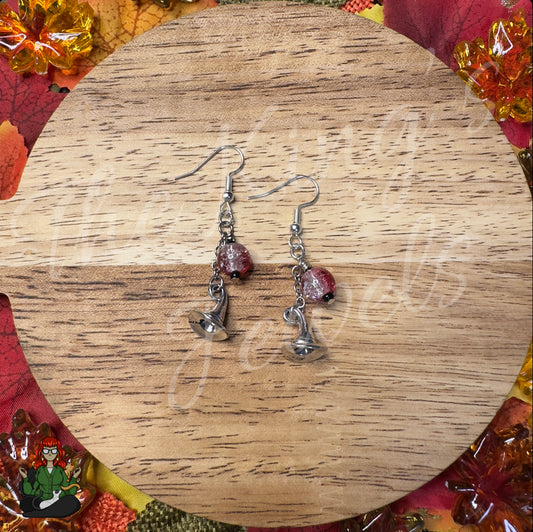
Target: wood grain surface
[(424, 218)]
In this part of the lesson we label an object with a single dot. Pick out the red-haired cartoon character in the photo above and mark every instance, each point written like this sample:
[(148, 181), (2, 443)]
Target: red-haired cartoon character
[(46, 488)]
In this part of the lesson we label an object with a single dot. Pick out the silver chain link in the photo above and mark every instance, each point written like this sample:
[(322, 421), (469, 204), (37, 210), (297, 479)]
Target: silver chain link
[(226, 230), (225, 222), (297, 250)]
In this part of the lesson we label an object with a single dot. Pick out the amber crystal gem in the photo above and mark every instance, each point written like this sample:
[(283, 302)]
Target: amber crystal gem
[(44, 33), (499, 70)]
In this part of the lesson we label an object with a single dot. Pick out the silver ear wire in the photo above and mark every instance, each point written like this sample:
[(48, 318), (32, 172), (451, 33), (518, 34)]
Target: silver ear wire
[(298, 208), (228, 190), (304, 348), (210, 325)]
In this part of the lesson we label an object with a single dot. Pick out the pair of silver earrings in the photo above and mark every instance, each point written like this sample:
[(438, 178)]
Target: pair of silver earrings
[(315, 285)]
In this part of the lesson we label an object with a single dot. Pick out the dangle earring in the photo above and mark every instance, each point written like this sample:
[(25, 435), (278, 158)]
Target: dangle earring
[(310, 284), (231, 258)]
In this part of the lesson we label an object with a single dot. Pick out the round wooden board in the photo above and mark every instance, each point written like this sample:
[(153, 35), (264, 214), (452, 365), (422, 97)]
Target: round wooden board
[(424, 218)]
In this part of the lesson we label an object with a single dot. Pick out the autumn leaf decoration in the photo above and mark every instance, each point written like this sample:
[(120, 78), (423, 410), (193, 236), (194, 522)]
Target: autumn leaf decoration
[(44, 33), (13, 158)]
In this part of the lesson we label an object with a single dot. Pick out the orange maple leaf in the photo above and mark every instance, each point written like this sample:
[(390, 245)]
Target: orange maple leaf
[(13, 157)]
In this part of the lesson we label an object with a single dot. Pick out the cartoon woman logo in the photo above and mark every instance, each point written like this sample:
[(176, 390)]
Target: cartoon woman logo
[(47, 490)]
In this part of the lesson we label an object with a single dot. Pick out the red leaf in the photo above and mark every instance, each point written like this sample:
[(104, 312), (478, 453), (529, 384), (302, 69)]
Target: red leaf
[(433, 496), (15, 374), (26, 102), (18, 388), (438, 25), (517, 133)]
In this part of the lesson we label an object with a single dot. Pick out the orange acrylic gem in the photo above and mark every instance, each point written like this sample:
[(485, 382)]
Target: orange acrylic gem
[(44, 33), (525, 377), (499, 71)]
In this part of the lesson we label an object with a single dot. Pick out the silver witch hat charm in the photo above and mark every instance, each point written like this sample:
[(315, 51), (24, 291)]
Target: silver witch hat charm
[(231, 258), (210, 325), (304, 348), (313, 284)]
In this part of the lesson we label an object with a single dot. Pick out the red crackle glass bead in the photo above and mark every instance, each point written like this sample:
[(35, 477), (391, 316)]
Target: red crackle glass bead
[(234, 260), (318, 285)]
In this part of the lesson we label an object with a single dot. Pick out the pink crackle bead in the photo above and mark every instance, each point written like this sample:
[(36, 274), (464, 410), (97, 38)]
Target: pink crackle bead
[(234, 260), (318, 285)]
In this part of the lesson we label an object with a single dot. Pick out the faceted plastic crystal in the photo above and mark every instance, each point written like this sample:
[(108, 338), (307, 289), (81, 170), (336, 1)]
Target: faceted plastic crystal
[(45, 32), (499, 71), (234, 260), (493, 481), (318, 285)]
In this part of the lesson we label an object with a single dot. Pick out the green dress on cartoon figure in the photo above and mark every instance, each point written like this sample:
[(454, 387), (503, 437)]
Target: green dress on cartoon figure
[(46, 490), (48, 482)]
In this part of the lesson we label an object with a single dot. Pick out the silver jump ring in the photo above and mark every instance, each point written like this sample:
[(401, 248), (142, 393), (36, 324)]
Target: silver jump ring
[(297, 252), (288, 315), (215, 286)]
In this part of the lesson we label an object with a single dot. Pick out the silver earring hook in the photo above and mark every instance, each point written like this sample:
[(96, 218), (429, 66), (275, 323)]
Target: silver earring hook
[(228, 191), (298, 209)]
